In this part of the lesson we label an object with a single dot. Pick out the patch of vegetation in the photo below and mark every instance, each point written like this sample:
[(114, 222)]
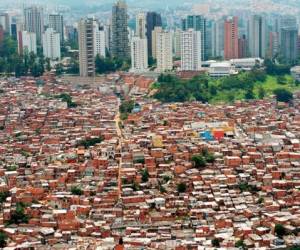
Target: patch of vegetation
[(246, 187), (240, 244), (280, 230), (215, 242), (75, 190), (19, 216), (108, 64), (283, 95), (126, 108), (90, 142), (181, 187), (139, 161), (68, 99), (3, 240), (4, 195), (145, 175), (201, 160)]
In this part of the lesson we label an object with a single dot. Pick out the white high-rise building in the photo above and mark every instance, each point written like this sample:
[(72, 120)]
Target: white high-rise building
[(51, 44), (26, 42), (56, 21), (141, 22), (99, 40), (218, 38), (257, 36), (191, 50), (139, 54), (163, 49), (177, 43)]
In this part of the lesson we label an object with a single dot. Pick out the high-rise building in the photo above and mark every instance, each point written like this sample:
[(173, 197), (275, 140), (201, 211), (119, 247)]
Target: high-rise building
[(153, 20), (99, 40), (242, 47), (139, 55), (1, 34), (177, 43), (289, 44), (155, 33), (27, 42), (141, 21), (120, 41), (273, 44), (231, 38), (51, 44), (34, 21), (191, 50), (257, 36), (198, 23), (86, 47), (163, 49), (5, 22), (56, 22), (218, 38)]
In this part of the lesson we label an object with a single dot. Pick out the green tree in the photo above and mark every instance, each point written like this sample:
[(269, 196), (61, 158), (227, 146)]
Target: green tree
[(281, 80), (199, 161), (59, 69), (4, 195), (3, 239), (19, 216), (181, 187), (280, 230), (145, 175), (75, 190), (215, 242), (283, 95), (261, 93), (48, 64), (240, 244)]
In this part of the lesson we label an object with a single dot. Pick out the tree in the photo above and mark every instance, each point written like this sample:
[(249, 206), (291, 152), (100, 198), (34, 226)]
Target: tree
[(215, 242), (145, 175), (261, 93), (283, 95), (281, 80), (59, 70), (240, 244), (4, 195), (199, 161), (19, 216), (75, 190), (48, 64), (249, 95), (3, 239), (280, 230), (181, 187)]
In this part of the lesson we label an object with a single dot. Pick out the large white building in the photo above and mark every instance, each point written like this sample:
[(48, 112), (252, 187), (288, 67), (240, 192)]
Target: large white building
[(141, 22), (56, 21), (257, 36), (191, 50), (26, 42), (99, 40), (139, 55), (162, 49), (34, 21), (51, 44)]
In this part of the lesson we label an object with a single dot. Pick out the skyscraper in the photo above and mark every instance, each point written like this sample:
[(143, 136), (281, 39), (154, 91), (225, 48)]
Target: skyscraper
[(218, 38), (153, 20), (120, 41), (99, 40), (34, 21), (86, 47), (140, 30), (257, 36), (51, 44), (177, 43), (190, 50), (5, 22), (289, 44), (56, 22), (242, 53), (163, 49), (231, 39), (198, 23), (26, 42), (139, 54)]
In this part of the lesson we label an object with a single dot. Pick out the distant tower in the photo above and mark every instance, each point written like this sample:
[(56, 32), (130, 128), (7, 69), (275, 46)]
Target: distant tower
[(231, 38), (289, 44), (120, 41), (99, 40), (191, 50), (140, 30), (153, 20), (51, 44), (56, 22), (139, 55), (86, 47), (34, 21), (257, 36)]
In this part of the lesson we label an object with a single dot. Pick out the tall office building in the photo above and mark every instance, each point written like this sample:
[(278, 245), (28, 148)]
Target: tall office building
[(120, 41), (51, 44), (242, 51), (34, 21), (177, 43), (99, 40), (198, 23), (140, 30), (26, 42), (218, 38), (289, 44), (273, 44), (5, 22), (163, 49), (231, 38), (1, 34), (155, 33), (86, 47), (153, 20), (257, 36), (191, 50), (139, 55), (56, 22)]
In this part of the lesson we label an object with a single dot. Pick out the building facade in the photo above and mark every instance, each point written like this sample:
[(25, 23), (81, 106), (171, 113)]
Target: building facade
[(56, 22), (27, 42), (231, 38), (99, 40), (34, 21), (257, 36), (51, 44), (153, 20), (139, 55)]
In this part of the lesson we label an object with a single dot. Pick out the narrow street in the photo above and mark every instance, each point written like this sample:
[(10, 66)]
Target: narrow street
[(120, 136)]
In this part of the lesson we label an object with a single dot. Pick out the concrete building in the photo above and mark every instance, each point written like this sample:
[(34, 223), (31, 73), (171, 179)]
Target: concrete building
[(273, 44), (242, 44), (177, 43), (257, 36), (289, 45), (231, 38), (139, 55), (86, 47), (198, 23), (163, 51), (191, 50), (140, 30), (218, 39), (51, 44), (295, 71), (99, 40), (5, 22), (1, 34), (153, 20), (27, 42), (56, 22), (34, 21), (221, 69), (120, 40)]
